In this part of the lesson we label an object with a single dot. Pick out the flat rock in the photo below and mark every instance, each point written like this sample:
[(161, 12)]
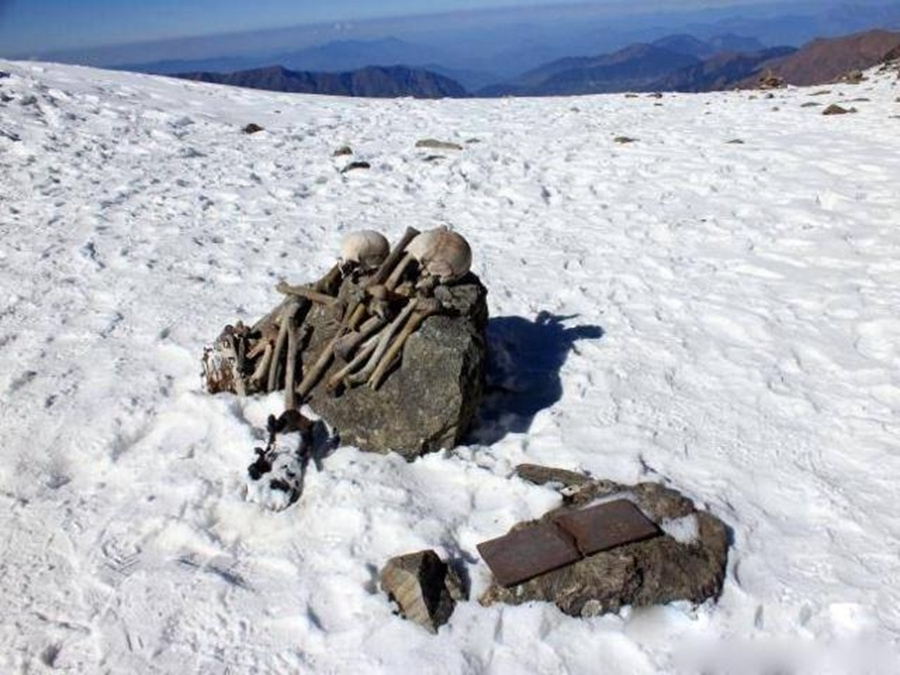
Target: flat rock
[(252, 128), (686, 562), (424, 588), (434, 144), (835, 109)]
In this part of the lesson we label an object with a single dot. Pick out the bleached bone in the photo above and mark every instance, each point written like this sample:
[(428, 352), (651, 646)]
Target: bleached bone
[(345, 345), (336, 380), (366, 249), (262, 367), (290, 367), (442, 254), (425, 307), (287, 317), (356, 311), (353, 316), (306, 293), (383, 341)]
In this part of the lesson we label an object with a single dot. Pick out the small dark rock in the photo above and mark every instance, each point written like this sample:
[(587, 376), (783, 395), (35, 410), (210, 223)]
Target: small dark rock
[(3, 75), (769, 80), (434, 158), (810, 104), (735, 141), (655, 94), (686, 563), (252, 128), (631, 96), (434, 144), (624, 139), (835, 109), (854, 77), (424, 587), (343, 151), (352, 166)]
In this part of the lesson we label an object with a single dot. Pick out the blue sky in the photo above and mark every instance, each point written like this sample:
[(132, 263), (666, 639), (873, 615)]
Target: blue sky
[(34, 26), (29, 27)]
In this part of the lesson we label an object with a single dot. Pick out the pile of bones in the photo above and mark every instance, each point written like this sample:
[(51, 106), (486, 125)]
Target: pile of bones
[(391, 293)]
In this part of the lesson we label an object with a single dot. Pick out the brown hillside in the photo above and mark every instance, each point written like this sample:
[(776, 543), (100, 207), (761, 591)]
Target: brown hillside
[(825, 60)]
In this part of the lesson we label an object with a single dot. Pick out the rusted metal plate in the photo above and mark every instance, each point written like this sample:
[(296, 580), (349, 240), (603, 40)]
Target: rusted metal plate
[(526, 553), (606, 526)]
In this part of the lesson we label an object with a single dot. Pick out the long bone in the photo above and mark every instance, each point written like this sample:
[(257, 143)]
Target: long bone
[(384, 340), (335, 381), (426, 307)]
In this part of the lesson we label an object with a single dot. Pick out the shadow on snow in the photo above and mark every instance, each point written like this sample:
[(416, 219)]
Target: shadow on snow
[(524, 360)]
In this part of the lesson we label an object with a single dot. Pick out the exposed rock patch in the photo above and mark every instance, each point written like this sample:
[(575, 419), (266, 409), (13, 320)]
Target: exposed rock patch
[(434, 144), (687, 562)]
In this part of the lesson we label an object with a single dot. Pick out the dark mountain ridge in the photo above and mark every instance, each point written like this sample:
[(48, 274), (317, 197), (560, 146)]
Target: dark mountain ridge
[(372, 81)]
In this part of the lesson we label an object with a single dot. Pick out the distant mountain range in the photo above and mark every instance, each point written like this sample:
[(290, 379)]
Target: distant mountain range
[(674, 63), (373, 82), (634, 68)]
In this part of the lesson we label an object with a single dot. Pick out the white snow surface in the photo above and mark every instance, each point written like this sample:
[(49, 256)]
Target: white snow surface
[(748, 297)]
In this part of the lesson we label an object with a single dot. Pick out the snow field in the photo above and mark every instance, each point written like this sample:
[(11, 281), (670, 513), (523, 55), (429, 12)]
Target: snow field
[(721, 317)]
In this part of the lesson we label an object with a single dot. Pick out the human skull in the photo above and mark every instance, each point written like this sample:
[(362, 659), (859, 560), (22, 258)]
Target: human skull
[(365, 248), (442, 254)]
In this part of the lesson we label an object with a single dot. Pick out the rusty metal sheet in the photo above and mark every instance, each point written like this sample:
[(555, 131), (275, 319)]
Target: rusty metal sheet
[(606, 526), (526, 553)]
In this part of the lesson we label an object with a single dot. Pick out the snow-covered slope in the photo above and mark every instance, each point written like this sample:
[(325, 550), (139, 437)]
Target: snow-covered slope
[(747, 295)]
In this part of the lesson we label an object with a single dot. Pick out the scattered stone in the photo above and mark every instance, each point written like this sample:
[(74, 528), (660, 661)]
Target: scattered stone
[(473, 140), (29, 100), (3, 75), (631, 96), (861, 99), (835, 109), (343, 151), (624, 139), (424, 588), (821, 92), (769, 80), (770, 95), (434, 158), (252, 128), (854, 77), (356, 165), (686, 562), (810, 104), (11, 135), (434, 144), (735, 141)]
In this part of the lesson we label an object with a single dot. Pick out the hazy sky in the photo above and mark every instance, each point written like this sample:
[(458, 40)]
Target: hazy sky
[(36, 26)]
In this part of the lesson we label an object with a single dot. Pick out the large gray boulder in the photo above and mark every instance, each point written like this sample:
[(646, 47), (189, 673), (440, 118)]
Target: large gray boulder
[(687, 562), (429, 402)]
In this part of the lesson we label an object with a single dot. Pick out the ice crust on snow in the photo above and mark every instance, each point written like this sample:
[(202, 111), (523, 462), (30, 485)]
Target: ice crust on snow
[(747, 296)]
